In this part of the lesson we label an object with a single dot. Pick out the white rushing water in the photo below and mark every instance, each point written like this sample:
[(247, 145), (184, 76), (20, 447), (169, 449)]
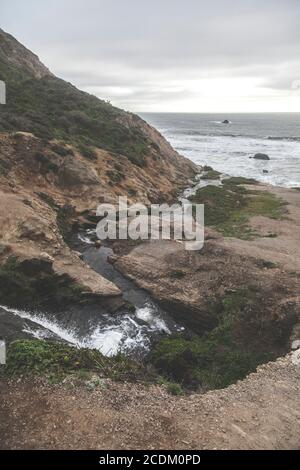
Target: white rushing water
[(123, 333)]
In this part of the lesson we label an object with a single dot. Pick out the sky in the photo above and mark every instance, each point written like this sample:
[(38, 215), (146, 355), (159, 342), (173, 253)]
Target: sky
[(168, 55)]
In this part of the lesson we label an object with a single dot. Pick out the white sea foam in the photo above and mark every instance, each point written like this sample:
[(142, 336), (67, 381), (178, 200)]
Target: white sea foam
[(232, 156), (227, 147)]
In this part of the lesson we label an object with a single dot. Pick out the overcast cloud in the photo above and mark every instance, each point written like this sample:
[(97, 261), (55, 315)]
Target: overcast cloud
[(168, 55)]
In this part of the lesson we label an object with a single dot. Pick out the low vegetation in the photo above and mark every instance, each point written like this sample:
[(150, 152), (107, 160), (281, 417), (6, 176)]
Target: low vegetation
[(51, 108), (229, 208), (57, 360), (237, 180), (243, 338)]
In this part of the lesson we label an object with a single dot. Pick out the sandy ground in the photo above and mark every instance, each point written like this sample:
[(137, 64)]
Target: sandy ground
[(260, 412)]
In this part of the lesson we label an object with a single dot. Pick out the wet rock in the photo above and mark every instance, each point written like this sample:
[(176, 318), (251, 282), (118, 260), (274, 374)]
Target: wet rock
[(261, 156), (265, 171), (225, 121)]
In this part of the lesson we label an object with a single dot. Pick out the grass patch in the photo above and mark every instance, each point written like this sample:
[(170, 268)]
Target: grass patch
[(56, 360), (229, 208), (237, 180)]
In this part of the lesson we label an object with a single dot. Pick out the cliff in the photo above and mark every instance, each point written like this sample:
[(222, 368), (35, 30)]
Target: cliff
[(62, 152)]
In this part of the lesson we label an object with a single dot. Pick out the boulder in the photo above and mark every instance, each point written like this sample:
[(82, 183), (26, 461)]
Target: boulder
[(225, 121), (296, 344), (75, 172), (261, 156)]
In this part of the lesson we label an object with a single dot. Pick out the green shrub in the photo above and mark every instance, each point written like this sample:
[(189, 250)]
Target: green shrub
[(87, 152), (175, 389), (242, 340), (61, 150), (55, 360)]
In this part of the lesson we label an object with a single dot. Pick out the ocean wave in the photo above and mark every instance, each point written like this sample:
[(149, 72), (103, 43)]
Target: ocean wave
[(208, 134), (290, 139)]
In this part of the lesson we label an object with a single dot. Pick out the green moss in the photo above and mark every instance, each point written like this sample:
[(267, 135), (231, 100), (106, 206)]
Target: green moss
[(236, 180), (228, 208), (211, 175), (56, 360), (219, 203)]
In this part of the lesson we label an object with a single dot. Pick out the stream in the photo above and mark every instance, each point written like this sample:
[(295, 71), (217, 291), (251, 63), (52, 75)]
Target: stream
[(130, 331)]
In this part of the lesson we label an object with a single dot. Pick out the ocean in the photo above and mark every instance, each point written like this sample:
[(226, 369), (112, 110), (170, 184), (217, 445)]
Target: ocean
[(228, 147)]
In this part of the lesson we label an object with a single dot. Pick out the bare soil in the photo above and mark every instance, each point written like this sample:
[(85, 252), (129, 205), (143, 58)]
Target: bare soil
[(260, 412)]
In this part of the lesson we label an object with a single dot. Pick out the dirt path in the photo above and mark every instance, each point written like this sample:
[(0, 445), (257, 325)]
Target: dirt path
[(260, 412)]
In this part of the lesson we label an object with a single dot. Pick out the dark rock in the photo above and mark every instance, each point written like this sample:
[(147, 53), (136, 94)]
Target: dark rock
[(225, 121), (4, 249), (265, 171), (261, 156)]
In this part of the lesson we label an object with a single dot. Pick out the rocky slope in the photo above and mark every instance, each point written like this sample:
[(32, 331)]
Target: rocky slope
[(62, 152)]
